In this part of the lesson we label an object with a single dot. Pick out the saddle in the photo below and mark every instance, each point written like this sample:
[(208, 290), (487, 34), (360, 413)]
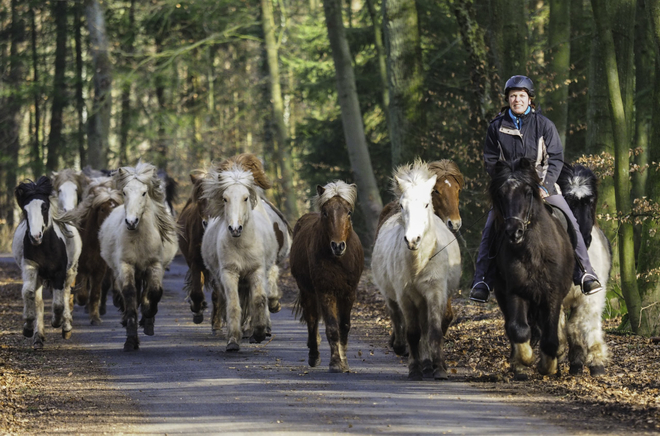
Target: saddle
[(564, 221)]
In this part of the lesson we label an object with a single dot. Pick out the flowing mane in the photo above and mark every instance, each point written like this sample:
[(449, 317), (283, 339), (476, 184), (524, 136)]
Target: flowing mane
[(97, 192), (410, 174), (147, 174), (446, 168), (43, 187), (217, 183), (247, 162), (69, 175), (337, 188)]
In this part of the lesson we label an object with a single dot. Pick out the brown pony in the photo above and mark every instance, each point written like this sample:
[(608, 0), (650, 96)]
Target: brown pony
[(445, 197), (327, 261), (192, 220), (99, 200)]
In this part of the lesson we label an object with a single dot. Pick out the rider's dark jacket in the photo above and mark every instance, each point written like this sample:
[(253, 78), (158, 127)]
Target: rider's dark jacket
[(537, 140)]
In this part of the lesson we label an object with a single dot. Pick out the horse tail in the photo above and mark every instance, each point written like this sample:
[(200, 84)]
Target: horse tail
[(298, 310)]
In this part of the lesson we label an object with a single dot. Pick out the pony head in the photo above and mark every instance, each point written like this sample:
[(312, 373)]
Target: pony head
[(34, 201), (232, 194), (138, 185), (579, 186), (513, 190), (446, 192), (336, 201), (413, 184), (69, 185), (196, 177)]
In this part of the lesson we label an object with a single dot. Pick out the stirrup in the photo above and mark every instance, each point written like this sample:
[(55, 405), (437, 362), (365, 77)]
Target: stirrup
[(482, 299), (591, 278)]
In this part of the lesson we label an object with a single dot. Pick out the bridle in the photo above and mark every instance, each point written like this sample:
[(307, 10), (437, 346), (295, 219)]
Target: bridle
[(526, 221)]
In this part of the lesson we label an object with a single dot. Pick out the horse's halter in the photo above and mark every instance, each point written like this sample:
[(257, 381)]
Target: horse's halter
[(526, 221)]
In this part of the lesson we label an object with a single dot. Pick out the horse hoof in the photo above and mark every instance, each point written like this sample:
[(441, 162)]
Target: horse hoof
[(440, 374), (124, 323), (274, 306), (415, 375), (132, 343), (81, 300), (102, 310), (96, 321), (400, 350), (575, 369), (520, 376), (269, 332), (258, 335), (336, 369), (597, 370), (66, 334), (38, 344), (28, 333), (427, 369), (198, 318), (314, 361), (233, 347), (149, 326)]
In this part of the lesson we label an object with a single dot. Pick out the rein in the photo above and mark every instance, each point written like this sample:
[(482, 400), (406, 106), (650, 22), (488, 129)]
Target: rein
[(458, 232), (526, 221)]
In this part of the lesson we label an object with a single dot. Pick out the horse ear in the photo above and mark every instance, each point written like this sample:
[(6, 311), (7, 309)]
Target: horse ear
[(254, 198), (18, 193), (320, 190), (525, 163), (430, 183), (398, 182)]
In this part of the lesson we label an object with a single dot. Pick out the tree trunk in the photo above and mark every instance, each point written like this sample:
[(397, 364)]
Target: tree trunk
[(351, 117), (98, 126), (515, 47), (160, 157), (382, 58), (36, 158), (55, 143), (80, 102), (405, 79), (283, 146), (621, 168), (622, 17), (559, 64), (124, 124)]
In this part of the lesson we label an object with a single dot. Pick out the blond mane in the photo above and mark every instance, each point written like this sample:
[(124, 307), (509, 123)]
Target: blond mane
[(215, 185), (413, 174), (97, 192), (337, 188), (447, 168), (248, 162)]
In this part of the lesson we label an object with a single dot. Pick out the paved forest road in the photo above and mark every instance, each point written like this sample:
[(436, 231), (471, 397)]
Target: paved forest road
[(184, 382)]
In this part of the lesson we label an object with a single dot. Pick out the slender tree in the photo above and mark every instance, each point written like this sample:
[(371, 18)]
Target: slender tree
[(351, 116), (36, 157), (283, 146), (80, 102), (127, 49), (405, 79), (59, 99), (559, 64)]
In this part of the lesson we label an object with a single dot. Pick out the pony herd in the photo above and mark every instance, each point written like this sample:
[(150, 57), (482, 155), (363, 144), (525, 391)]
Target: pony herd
[(118, 232)]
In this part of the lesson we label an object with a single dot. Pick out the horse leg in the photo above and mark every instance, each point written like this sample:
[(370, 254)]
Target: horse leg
[(274, 292), (588, 318), (80, 294), (424, 341), (577, 351), (129, 297), (260, 317), (67, 325), (344, 310), (197, 303), (218, 302), (105, 287), (437, 311), (311, 316), (96, 284), (398, 337), (329, 307), (59, 302), (519, 333), (233, 306), (151, 295), (550, 340), (413, 335)]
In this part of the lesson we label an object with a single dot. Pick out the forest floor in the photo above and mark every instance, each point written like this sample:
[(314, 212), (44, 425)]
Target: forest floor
[(56, 388)]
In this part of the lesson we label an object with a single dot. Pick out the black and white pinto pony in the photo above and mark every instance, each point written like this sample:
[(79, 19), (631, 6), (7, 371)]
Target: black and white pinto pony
[(47, 250), (239, 245), (583, 329), (415, 264), (138, 241), (535, 261)]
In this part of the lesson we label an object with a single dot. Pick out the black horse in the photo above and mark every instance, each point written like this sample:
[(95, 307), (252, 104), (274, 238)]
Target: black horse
[(535, 262)]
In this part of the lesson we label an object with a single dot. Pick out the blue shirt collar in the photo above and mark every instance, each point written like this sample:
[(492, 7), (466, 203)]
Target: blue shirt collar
[(517, 120)]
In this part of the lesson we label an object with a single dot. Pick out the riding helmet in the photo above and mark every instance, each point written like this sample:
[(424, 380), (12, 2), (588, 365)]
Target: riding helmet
[(519, 82)]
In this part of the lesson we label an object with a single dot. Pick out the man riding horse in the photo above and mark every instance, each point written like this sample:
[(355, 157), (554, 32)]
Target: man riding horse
[(519, 131)]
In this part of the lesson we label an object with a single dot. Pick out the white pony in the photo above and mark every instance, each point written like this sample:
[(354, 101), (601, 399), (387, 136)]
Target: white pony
[(47, 250), (138, 241), (69, 186), (239, 245), (415, 262)]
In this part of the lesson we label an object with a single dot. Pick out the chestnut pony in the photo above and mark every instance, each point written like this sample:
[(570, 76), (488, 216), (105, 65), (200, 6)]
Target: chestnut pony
[(327, 261)]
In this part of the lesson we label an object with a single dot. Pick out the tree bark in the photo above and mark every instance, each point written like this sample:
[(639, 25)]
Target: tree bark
[(351, 117), (621, 168), (59, 99), (98, 123), (382, 58), (515, 47), (559, 64), (127, 49), (36, 158), (405, 79), (80, 102), (283, 146)]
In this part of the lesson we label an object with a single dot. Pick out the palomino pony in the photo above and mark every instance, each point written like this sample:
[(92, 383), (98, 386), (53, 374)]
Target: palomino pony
[(69, 186), (138, 241), (327, 261), (239, 244), (99, 201), (448, 186), (535, 261), (586, 346), (413, 265), (47, 250)]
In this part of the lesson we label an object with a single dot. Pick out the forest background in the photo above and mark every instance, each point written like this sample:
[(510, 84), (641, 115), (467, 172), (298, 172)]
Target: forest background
[(341, 89)]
